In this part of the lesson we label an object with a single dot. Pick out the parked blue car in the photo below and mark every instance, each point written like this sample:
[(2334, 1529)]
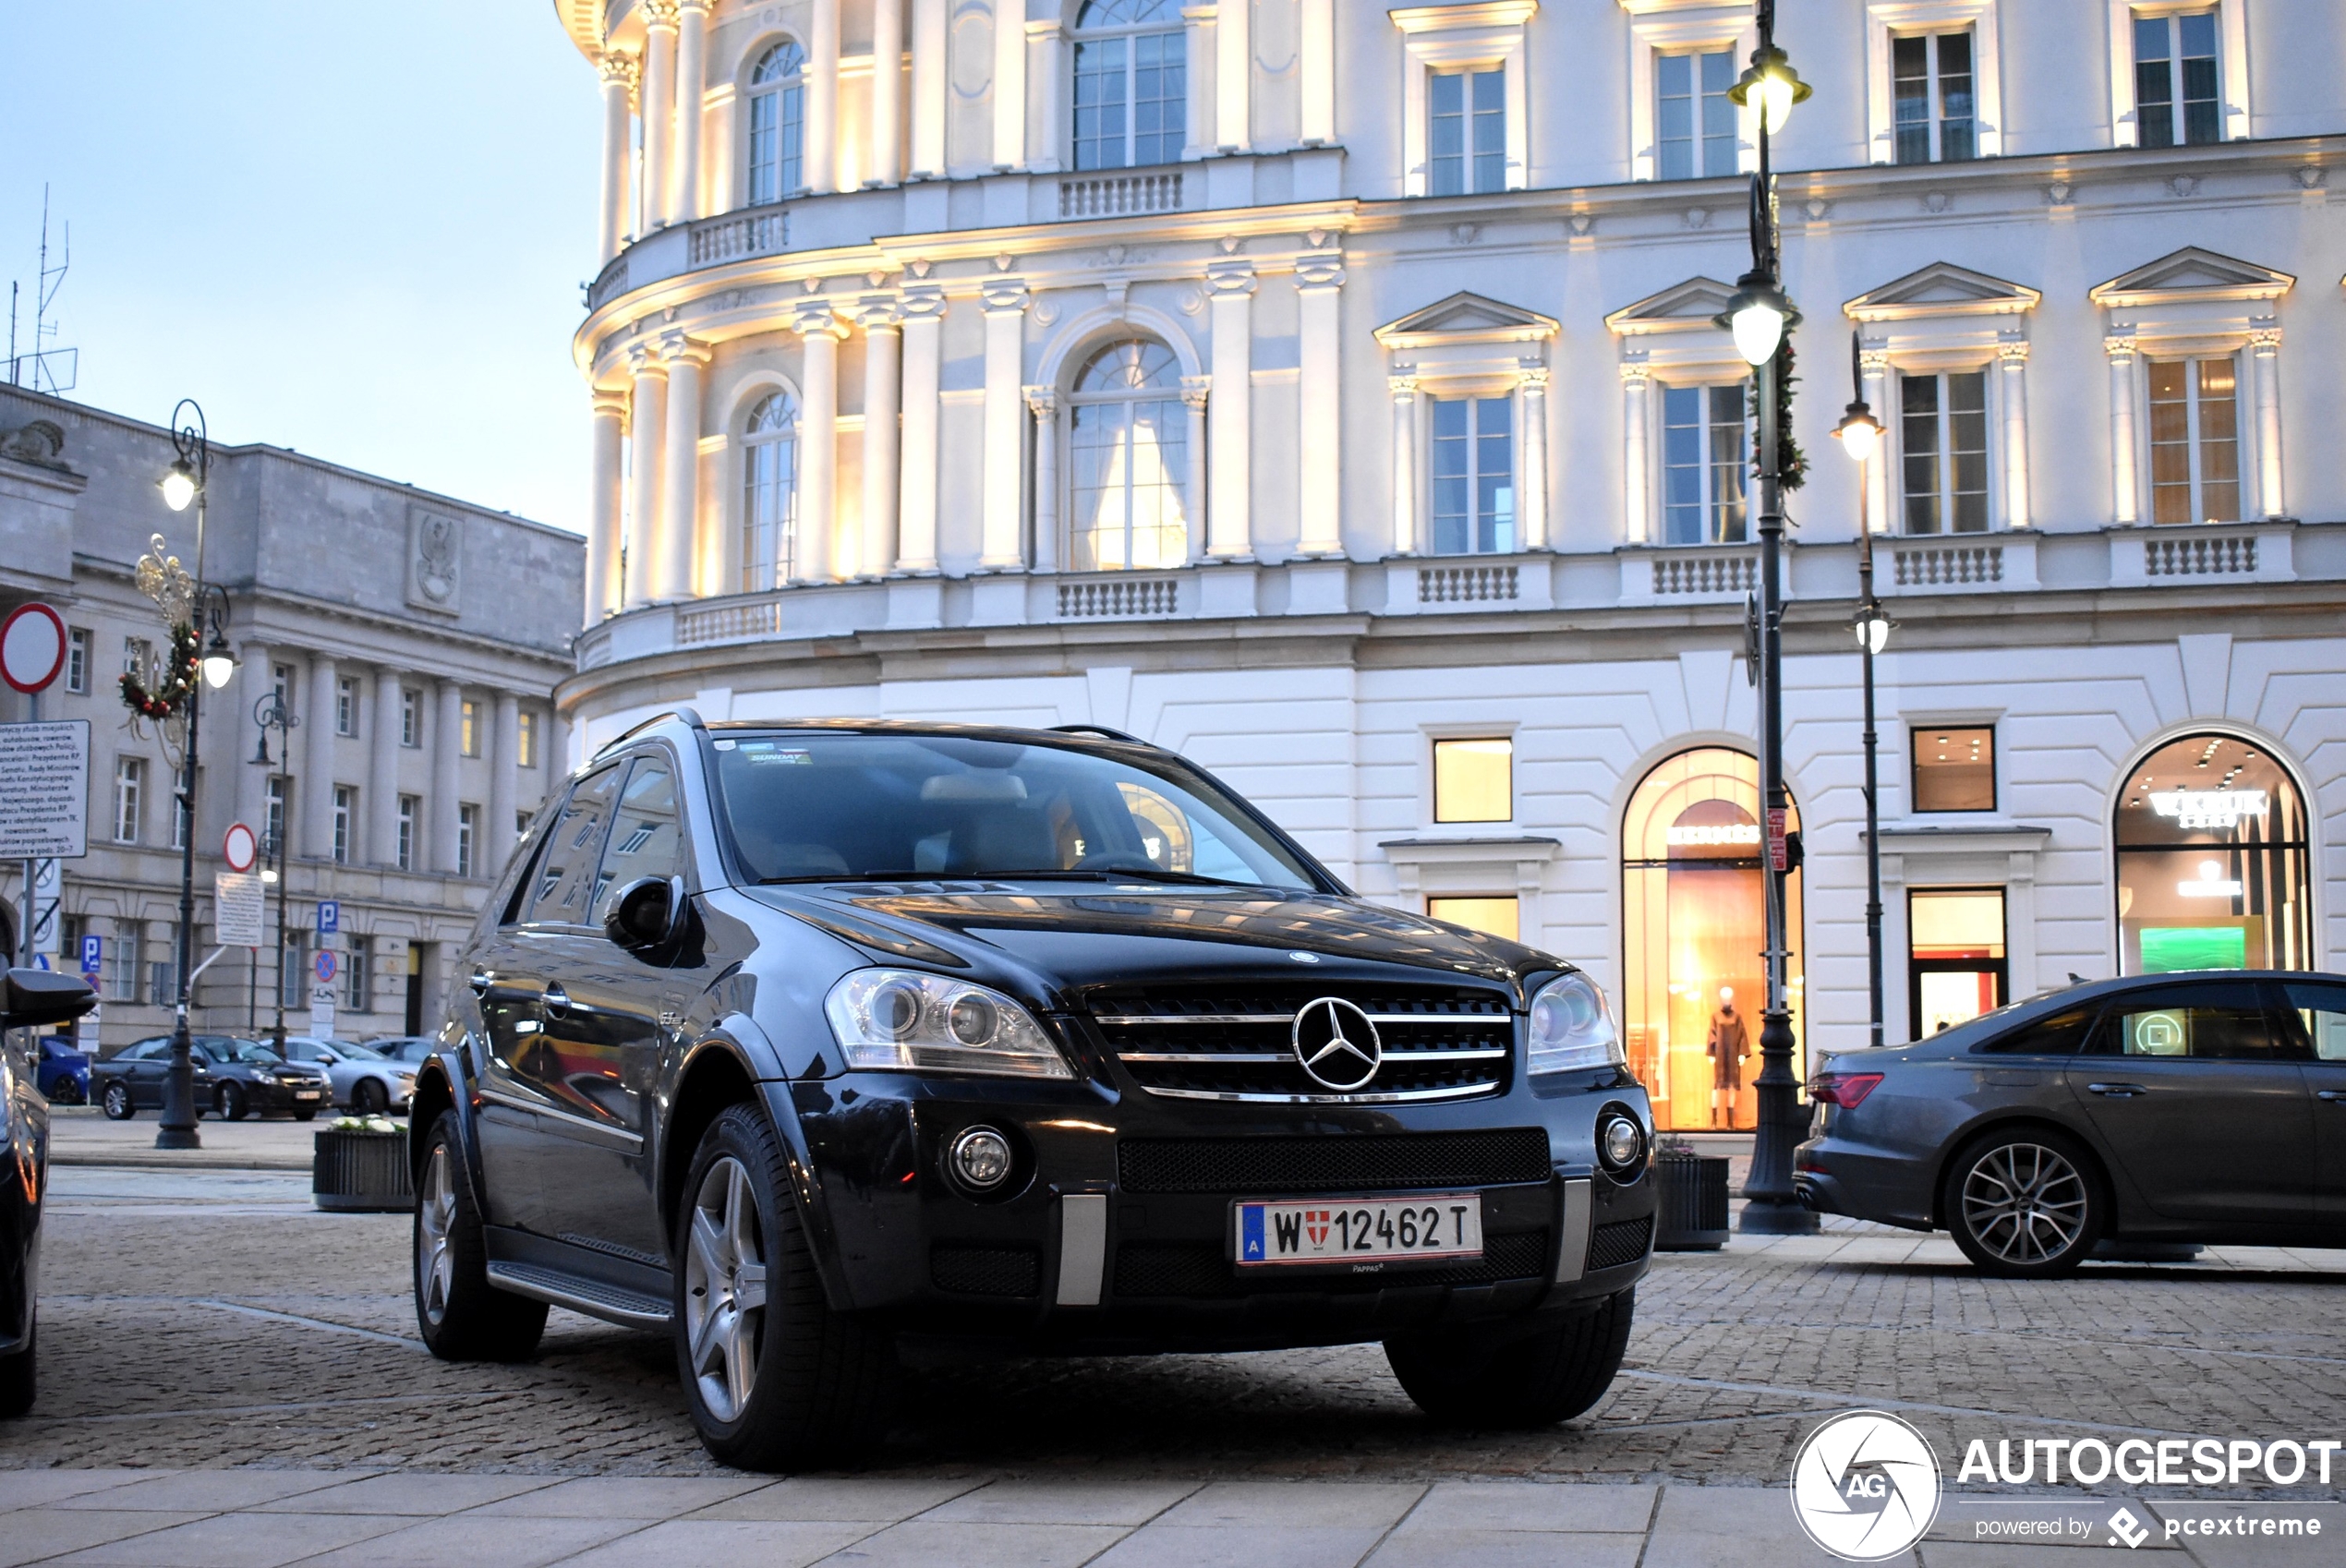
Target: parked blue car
[(62, 1074)]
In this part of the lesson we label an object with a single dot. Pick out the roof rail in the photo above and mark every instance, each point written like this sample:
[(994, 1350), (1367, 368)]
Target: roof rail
[(683, 715), (1104, 730)]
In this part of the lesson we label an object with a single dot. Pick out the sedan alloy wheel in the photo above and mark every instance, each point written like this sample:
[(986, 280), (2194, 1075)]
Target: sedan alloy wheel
[(2024, 1206), (725, 1288)]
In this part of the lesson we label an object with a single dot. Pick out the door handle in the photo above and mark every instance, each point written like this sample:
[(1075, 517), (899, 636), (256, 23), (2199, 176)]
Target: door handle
[(481, 983), (2117, 1091), (557, 1001), (2333, 1095)]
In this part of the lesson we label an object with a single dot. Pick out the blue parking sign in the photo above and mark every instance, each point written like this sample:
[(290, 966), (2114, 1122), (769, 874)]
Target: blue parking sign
[(328, 916), (94, 954)]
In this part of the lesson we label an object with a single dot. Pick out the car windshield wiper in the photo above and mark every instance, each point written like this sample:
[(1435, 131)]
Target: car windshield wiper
[(1061, 873)]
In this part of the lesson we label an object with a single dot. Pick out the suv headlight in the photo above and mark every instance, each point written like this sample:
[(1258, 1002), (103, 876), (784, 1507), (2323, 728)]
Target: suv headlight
[(1571, 1027), (902, 1021)]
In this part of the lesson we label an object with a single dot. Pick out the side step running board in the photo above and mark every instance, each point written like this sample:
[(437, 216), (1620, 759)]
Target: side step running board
[(613, 1303)]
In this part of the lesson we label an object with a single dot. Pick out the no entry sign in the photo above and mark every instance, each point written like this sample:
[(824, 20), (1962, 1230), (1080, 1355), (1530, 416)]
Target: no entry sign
[(32, 647)]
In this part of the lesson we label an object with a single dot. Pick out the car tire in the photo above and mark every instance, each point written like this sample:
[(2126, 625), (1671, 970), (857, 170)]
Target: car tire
[(116, 1100), (1507, 1376), (787, 1383), (17, 1378), (461, 1315), (229, 1101), (369, 1097), (2025, 1203)]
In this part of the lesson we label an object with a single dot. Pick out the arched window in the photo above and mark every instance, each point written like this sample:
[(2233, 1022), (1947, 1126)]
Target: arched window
[(769, 493), (2212, 847), (1131, 84), (776, 123), (1692, 928), (1129, 440)]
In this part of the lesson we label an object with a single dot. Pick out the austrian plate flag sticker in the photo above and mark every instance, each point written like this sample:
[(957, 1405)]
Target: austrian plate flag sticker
[(1250, 1233)]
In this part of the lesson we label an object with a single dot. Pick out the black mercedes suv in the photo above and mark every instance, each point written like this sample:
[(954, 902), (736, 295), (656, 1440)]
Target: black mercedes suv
[(810, 1042)]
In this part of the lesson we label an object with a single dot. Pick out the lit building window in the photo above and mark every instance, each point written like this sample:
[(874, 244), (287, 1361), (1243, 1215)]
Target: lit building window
[(2194, 441), (411, 704), (1495, 916), (468, 729), (1128, 442), (1694, 118), (2213, 861), (1473, 499), (467, 835), (1131, 84), (1942, 444), (769, 493), (1931, 98), (346, 704), (1956, 963), (78, 660), (1954, 768), (345, 819), (357, 977), (777, 124), (526, 738), (1466, 132), (1702, 465), (1474, 780), (2178, 85)]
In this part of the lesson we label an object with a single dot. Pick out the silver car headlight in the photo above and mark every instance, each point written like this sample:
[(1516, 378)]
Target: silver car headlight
[(902, 1021), (1571, 1027)]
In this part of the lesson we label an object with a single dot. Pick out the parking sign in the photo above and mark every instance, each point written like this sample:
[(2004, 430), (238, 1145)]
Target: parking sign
[(94, 954), (328, 916)]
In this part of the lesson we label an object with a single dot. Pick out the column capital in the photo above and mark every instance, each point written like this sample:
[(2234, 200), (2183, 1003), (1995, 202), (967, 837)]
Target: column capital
[(610, 402), (1402, 382), (1194, 389), (922, 299), (643, 359), (1043, 401), (1005, 295), (1319, 270), (1224, 279), (814, 315), (690, 5), (2119, 342), (878, 312), (1531, 375), (1636, 369), (618, 66), (678, 348), (2263, 336), (660, 14), (2012, 345)]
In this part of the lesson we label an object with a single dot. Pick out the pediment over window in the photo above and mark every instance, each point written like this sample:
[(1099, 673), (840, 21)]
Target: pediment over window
[(1942, 289), (1679, 308), (2189, 274), (1466, 319)]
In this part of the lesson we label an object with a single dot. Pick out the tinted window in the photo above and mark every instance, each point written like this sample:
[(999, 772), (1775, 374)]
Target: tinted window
[(145, 1051), (2223, 1022), (2055, 1035), (565, 873), (646, 838), (2321, 1013)]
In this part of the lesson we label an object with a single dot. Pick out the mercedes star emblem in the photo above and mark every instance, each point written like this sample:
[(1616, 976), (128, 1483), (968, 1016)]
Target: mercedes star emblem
[(1336, 1043)]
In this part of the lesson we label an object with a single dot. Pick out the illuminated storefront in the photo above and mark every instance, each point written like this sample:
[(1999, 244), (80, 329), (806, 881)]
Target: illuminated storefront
[(2212, 860), (1692, 928), (1956, 967)]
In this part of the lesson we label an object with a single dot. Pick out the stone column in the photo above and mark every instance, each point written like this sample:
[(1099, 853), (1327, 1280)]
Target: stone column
[(2263, 352), (1233, 77), (505, 787), (692, 54), (1230, 416), (815, 322), (1001, 528), (1196, 394), (316, 784), (659, 109), (1531, 506), (1317, 51), (1044, 403), (382, 804), (1403, 385), (924, 311), (606, 498), (2011, 377), (878, 313), (1873, 368), (1319, 402), (557, 752), (888, 93), (2125, 503), (648, 428), (820, 150), (619, 83), (679, 471), (929, 47), (1198, 109), (1010, 84), (1637, 460), (448, 749)]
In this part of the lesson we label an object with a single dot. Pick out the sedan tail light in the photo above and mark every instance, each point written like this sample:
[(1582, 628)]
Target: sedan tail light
[(1846, 1090)]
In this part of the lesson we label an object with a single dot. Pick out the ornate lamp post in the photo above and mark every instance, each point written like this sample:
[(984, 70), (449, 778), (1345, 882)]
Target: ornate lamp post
[(1860, 435), (270, 713), (1760, 317)]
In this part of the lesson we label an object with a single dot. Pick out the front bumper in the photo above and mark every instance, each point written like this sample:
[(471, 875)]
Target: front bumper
[(274, 1095), (1114, 1230)]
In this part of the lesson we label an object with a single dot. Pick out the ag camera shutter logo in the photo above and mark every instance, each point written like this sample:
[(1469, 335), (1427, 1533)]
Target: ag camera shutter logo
[(1865, 1485)]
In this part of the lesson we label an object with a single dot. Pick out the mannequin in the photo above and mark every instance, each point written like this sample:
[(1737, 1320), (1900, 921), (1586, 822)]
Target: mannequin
[(1730, 1047)]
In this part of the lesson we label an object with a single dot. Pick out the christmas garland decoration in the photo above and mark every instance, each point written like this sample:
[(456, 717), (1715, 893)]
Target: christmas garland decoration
[(169, 699), (1791, 464)]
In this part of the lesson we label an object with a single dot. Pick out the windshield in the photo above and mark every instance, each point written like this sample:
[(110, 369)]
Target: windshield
[(220, 1049), (815, 806)]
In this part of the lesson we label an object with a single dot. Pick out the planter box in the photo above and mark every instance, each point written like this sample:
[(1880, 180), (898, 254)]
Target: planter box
[(361, 1173), (1692, 1192)]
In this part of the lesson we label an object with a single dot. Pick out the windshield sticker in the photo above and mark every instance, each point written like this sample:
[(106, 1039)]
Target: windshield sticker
[(773, 756)]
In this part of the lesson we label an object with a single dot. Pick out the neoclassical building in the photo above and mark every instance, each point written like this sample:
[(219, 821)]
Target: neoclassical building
[(1331, 391)]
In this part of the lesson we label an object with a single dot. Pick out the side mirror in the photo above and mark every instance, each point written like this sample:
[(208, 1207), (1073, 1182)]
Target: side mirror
[(38, 997), (646, 913)]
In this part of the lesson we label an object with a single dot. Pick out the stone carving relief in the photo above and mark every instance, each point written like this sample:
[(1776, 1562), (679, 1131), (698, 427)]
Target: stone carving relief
[(435, 556)]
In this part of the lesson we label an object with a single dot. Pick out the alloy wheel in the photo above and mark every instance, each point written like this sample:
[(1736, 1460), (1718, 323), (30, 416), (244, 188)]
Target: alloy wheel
[(2024, 1202), (725, 1288), (435, 1223)]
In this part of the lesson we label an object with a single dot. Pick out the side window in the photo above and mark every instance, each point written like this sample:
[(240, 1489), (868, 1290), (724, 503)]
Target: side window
[(2224, 1021), (562, 881), (646, 836), (2056, 1034), (2321, 1013)]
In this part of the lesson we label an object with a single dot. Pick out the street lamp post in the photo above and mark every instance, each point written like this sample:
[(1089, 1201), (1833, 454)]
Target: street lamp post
[(270, 713), (1860, 435), (1760, 316)]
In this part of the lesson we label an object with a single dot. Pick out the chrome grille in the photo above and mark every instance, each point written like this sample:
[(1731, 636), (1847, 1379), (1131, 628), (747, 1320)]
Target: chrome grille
[(1439, 1043)]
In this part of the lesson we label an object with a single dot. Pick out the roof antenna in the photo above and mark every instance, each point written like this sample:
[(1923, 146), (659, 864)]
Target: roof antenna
[(46, 362)]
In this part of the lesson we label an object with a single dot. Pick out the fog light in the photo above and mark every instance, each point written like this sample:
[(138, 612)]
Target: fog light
[(980, 1159), (1621, 1144)]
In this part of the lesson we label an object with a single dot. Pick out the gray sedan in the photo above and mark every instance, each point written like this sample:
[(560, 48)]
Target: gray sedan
[(363, 1079), (2200, 1107)]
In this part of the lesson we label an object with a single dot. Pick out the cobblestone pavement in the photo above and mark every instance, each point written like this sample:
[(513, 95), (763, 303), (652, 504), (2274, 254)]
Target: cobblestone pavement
[(213, 1320)]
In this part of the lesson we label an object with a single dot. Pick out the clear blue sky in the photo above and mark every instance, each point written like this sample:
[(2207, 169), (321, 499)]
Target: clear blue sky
[(356, 229)]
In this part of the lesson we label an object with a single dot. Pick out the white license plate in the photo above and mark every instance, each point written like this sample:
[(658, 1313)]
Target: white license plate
[(305, 1095), (1327, 1231)]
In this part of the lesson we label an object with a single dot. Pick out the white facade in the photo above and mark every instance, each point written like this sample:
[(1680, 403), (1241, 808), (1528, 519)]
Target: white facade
[(1379, 247)]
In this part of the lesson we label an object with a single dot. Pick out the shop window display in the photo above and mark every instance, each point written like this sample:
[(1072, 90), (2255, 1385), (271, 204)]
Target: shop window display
[(2212, 851), (1692, 932), (1956, 965)]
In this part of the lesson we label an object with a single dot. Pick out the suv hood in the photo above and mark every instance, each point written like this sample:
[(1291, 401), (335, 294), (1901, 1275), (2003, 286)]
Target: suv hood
[(1066, 936)]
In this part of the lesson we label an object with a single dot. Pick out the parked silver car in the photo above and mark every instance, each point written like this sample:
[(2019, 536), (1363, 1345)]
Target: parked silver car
[(2200, 1107), (364, 1079)]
